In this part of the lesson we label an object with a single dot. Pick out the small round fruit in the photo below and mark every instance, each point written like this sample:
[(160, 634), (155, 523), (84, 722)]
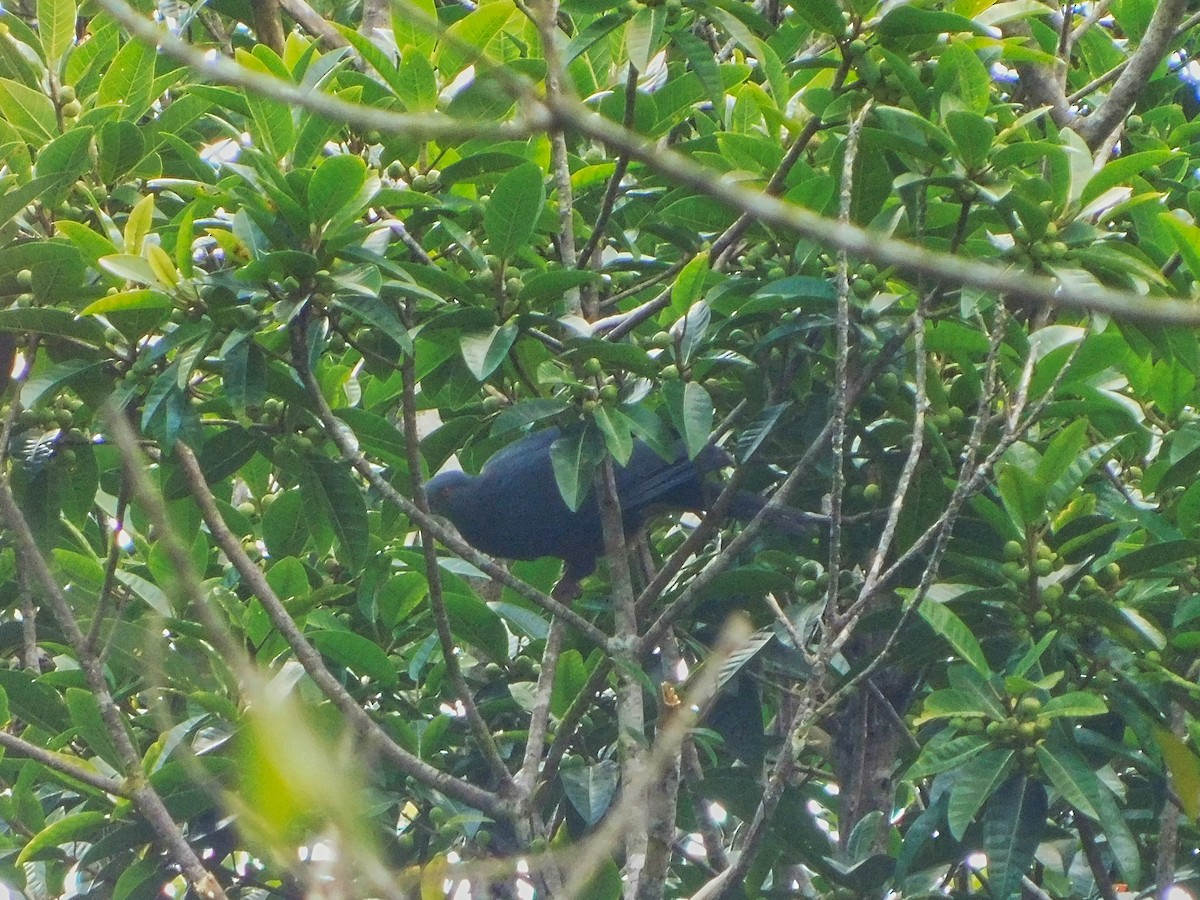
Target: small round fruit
[(1013, 551), (592, 366), (1029, 706), (871, 492)]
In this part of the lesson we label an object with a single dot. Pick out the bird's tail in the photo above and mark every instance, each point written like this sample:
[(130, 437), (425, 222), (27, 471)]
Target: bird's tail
[(746, 505)]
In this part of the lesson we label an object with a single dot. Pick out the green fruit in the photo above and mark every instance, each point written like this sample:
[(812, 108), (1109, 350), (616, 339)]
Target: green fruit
[(871, 492), (25, 279), (72, 110), (1013, 551), (661, 339), (1043, 567), (1043, 618), (807, 589), (1052, 593), (1029, 707), (66, 93), (1088, 585), (1027, 731), (670, 373), (592, 366), (609, 393), (994, 729)]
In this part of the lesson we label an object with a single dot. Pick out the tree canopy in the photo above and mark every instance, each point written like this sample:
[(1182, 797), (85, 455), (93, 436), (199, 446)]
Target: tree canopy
[(925, 270)]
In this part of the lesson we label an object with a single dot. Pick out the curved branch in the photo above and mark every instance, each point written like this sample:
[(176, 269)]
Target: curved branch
[(1151, 50), (310, 658)]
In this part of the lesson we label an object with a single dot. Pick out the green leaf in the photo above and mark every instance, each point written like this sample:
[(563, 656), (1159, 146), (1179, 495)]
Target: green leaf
[(1062, 451), (475, 622), (56, 322), (959, 67), (950, 702), (126, 301), (484, 351), (823, 15), (86, 716), (526, 412), (382, 314), (591, 788), (1013, 823), (969, 680), (120, 146), (328, 489), (417, 84), (1187, 240), (700, 214), (1071, 776), (357, 653), (939, 757), (1120, 169), (574, 456), (28, 111), (128, 81), (1075, 704), (1134, 564), (700, 58), (973, 134), (16, 199), (955, 632), (5, 715), (34, 702), (615, 428), (70, 828), (1184, 767), (57, 267), (643, 35), (569, 679), (973, 784), (1023, 495), (907, 21), (225, 452), (285, 525), (692, 413), (414, 24), (472, 36), (376, 435), (689, 284), (334, 184), (513, 210), (56, 27)]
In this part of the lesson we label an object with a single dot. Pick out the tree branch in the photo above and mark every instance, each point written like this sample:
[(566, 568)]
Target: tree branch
[(310, 658), (1150, 51)]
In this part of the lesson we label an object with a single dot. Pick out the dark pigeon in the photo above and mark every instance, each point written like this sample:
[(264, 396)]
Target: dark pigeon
[(513, 508)]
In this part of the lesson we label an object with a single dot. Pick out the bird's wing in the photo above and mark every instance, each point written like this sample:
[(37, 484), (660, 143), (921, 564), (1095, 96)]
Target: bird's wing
[(537, 442)]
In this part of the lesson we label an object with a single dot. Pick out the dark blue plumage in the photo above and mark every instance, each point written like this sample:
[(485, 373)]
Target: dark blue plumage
[(513, 507)]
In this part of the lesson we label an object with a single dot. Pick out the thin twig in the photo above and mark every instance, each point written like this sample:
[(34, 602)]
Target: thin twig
[(619, 169), (145, 798), (310, 658), (1146, 56)]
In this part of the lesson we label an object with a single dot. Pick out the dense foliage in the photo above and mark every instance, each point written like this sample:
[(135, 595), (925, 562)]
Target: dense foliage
[(249, 306)]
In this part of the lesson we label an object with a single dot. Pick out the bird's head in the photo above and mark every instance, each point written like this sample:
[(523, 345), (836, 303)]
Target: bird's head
[(447, 494)]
